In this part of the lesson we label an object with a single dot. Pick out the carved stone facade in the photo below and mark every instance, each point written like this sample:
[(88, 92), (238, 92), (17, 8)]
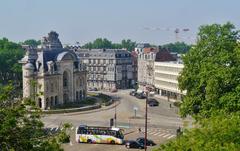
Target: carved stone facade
[(53, 75)]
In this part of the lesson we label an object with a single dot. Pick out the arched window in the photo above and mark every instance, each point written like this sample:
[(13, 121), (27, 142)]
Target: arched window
[(65, 79), (81, 82), (56, 100), (77, 95), (52, 101)]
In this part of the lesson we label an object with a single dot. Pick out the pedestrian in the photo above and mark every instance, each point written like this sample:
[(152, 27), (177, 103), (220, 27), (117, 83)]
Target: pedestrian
[(139, 130), (170, 105)]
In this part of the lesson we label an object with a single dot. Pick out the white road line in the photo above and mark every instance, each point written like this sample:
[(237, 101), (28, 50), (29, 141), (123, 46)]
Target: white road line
[(166, 135), (157, 133), (71, 143), (162, 134), (72, 128), (171, 136), (151, 133)]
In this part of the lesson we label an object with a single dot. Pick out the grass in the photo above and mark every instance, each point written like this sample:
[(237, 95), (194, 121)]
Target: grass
[(85, 102)]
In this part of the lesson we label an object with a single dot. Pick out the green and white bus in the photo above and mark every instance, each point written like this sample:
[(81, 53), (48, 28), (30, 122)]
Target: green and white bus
[(94, 134)]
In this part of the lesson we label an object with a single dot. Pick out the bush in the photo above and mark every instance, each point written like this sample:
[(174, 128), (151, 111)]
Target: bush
[(63, 138), (177, 104)]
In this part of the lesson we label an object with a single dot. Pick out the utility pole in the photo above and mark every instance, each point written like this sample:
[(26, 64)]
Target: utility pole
[(146, 110), (115, 115)]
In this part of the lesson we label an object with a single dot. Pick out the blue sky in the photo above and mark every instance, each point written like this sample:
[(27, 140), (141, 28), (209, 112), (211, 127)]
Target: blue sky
[(86, 20)]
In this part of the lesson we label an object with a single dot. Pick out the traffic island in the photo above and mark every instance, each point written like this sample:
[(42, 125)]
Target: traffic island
[(94, 101)]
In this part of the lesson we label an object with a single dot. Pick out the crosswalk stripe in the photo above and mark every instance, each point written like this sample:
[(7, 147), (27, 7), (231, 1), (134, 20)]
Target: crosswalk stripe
[(171, 136), (162, 134), (157, 133), (167, 135)]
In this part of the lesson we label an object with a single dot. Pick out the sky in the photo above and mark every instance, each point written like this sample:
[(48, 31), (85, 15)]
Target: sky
[(85, 20)]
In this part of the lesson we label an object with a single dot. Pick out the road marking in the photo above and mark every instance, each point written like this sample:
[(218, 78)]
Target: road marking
[(157, 133), (171, 136), (72, 128), (71, 143), (162, 134), (166, 135), (123, 126)]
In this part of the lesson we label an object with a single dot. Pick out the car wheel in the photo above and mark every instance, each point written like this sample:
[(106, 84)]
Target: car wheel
[(151, 144), (127, 146), (89, 141), (112, 142)]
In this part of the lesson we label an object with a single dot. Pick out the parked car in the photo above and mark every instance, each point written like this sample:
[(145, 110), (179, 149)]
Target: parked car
[(141, 140), (152, 102), (133, 144), (140, 96), (133, 93)]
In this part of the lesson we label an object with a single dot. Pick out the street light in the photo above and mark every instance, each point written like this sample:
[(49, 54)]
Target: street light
[(146, 110)]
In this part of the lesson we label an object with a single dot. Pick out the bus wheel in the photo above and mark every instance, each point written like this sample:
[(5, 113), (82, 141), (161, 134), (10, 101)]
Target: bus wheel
[(89, 141), (112, 142)]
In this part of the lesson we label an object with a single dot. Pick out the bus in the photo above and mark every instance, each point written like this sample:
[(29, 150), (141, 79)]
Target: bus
[(94, 134)]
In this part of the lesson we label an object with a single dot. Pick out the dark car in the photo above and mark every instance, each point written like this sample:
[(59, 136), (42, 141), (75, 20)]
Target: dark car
[(152, 102), (140, 140), (134, 144), (140, 96), (133, 93)]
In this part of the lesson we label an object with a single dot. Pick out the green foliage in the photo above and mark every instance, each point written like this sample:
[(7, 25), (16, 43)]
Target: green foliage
[(20, 125), (100, 43), (211, 72), (219, 132), (10, 69), (32, 42), (179, 47)]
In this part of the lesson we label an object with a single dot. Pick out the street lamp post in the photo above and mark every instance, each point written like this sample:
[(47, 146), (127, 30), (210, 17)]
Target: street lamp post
[(146, 110), (115, 115)]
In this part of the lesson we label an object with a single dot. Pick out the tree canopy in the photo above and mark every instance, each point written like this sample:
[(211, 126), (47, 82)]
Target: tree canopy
[(101, 43), (178, 47), (20, 125), (220, 132), (211, 77), (32, 42), (211, 72), (10, 54)]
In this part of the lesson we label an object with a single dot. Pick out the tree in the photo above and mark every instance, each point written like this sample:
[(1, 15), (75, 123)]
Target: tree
[(20, 125), (101, 43), (211, 72), (32, 42), (10, 54), (219, 132), (128, 44), (178, 47)]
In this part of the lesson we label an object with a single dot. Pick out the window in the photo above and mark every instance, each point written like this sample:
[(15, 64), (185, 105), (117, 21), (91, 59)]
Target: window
[(65, 79), (52, 87)]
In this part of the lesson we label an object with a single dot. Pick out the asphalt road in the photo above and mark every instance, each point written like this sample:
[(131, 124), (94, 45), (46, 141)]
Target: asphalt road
[(162, 120)]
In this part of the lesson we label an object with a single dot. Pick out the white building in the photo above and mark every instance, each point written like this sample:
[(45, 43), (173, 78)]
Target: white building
[(166, 79)]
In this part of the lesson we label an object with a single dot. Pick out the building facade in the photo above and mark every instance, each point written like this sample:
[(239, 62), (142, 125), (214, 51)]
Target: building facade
[(146, 70), (108, 69), (53, 75), (166, 79)]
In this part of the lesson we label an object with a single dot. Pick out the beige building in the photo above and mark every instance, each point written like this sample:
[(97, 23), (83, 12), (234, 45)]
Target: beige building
[(165, 79), (53, 75)]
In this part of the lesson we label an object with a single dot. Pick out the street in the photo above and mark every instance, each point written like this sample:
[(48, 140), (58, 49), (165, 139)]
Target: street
[(162, 121)]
